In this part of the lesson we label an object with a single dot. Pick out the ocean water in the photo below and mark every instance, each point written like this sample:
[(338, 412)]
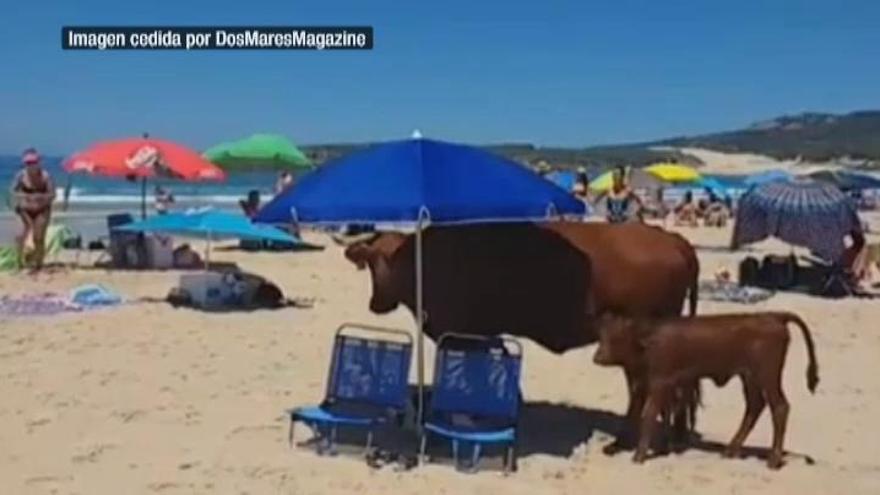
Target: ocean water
[(83, 201), (87, 192)]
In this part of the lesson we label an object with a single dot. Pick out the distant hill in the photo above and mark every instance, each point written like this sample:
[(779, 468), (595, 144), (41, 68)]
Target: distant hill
[(599, 157), (852, 139)]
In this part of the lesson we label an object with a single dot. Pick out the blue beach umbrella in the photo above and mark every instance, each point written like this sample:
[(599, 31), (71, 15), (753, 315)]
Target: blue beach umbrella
[(804, 213), (774, 175), (420, 182), (210, 225)]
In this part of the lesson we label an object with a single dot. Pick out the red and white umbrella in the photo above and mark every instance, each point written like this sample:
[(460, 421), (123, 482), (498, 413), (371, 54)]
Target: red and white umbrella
[(143, 158)]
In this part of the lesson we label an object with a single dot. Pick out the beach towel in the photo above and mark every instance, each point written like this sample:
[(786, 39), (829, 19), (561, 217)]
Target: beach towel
[(44, 304), (711, 290), (82, 298), (93, 295)]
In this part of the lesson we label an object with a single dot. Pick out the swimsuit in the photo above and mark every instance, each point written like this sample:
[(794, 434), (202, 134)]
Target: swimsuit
[(618, 209), (23, 187)]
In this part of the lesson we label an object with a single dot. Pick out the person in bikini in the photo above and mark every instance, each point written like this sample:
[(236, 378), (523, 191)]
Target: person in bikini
[(620, 199), (33, 193)]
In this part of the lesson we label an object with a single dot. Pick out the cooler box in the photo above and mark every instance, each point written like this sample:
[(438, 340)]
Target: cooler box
[(207, 289)]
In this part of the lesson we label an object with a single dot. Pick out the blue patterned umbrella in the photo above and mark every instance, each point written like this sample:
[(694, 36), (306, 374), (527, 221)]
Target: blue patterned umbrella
[(804, 213)]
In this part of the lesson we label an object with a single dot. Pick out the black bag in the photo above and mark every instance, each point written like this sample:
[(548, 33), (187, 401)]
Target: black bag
[(778, 272), (748, 272)]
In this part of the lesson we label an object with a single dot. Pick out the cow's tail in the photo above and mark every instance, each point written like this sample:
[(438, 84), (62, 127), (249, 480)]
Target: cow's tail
[(813, 366)]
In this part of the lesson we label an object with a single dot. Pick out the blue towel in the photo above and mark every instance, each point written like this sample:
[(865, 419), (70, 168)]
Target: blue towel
[(94, 295)]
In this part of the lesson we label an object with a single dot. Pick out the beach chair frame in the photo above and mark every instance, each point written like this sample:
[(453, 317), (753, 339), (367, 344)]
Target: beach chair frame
[(510, 352), (325, 423)]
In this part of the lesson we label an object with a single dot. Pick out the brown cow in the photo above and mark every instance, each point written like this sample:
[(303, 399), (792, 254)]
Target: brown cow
[(520, 279), (673, 351)]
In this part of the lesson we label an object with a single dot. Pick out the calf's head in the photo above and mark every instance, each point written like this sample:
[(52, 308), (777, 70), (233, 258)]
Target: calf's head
[(377, 254), (618, 342)]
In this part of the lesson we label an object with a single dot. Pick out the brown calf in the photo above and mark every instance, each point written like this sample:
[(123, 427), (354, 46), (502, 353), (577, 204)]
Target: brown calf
[(673, 351)]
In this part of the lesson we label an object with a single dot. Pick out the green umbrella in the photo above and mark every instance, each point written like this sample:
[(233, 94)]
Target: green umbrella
[(260, 151)]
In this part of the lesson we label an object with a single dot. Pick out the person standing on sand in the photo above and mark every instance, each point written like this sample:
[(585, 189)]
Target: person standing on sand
[(619, 199), (285, 180), (164, 200), (33, 192)]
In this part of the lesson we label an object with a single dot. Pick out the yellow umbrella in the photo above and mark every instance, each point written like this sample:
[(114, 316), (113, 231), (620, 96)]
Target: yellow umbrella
[(603, 182), (674, 172)]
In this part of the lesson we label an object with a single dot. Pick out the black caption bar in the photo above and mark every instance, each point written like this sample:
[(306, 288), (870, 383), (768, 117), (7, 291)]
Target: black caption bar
[(217, 38)]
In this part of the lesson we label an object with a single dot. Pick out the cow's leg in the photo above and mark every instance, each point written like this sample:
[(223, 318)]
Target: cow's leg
[(625, 438), (772, 384), (657, 399), (754, 406)]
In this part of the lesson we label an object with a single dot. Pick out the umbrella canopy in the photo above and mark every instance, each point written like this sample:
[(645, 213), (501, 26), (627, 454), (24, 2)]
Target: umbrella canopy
[(803, 213), (562, 178), (715, 185), (420, 179), (209, 224), (142, 158), (846, 181), (636, 178), (674, 172), (258, 151), (774, 175)]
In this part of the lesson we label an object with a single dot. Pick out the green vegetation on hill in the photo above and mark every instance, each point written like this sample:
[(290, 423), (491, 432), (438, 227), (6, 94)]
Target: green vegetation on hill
[(853, 138)]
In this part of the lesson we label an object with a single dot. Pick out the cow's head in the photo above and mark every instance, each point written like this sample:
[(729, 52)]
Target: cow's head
[(388, 272), (619, 343)]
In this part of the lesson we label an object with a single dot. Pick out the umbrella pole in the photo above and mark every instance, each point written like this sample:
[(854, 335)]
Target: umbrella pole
[(420, 337), (143, 198), (208, 253)]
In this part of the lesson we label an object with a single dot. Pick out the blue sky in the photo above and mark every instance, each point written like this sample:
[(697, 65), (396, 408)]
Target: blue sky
[(570, 73)]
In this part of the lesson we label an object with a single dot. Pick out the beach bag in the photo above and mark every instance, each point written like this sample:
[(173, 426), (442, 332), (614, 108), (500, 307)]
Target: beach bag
[(778, 272), (748, 272)]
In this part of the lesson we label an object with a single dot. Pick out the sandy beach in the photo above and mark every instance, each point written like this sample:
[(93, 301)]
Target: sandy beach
[(144, 398)]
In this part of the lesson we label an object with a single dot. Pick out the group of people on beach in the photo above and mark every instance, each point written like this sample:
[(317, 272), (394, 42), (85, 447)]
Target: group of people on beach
[(622, 204)]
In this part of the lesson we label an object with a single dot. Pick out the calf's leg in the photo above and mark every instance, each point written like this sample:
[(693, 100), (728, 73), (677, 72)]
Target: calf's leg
[(754, 406), (779, 408), (657, 400)]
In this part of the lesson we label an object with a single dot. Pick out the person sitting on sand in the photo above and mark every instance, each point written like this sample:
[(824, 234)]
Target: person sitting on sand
[(716, 213), (686, 212), (33, 193)]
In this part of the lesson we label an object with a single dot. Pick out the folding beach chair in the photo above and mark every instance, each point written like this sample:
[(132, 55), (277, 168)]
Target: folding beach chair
[(476, 396), (367, 387)]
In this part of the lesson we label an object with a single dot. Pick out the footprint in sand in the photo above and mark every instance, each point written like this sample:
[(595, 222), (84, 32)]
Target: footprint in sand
[(129, 416), (91, 453), (253, 429)]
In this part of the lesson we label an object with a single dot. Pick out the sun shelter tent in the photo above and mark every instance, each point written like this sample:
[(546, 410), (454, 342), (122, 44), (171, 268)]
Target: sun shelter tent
[(803, 213), (420, 182)]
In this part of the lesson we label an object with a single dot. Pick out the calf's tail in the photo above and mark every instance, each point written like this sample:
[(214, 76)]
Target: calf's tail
[(812, 367)]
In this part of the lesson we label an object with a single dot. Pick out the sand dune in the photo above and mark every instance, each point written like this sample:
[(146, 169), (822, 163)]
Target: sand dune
[(145, 398)]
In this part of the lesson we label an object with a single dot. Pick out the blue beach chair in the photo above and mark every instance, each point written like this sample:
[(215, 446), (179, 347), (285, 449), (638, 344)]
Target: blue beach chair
[(367, 387), (476, 396)]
